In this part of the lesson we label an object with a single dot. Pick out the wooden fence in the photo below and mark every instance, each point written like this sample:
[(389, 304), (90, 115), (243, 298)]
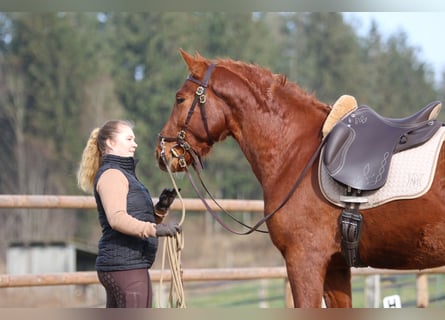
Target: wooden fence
[(87, 202), (88, 277)]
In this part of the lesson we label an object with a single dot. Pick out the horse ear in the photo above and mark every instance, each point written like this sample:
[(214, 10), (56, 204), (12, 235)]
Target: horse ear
[(197, 65), (198, 56), (188, 58)]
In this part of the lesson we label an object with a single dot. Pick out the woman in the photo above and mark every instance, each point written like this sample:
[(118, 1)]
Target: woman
[(130, 223)]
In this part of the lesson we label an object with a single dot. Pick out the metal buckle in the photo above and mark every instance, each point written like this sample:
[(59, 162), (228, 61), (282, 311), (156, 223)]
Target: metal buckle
[(181, 135), (182, 162), (200, 90), (162, 144), (186, 146)]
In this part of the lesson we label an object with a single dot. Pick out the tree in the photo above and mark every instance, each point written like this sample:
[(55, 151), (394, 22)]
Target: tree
[(149, 68), (46, 68), (326, 54), (399, 83), (332, 60)]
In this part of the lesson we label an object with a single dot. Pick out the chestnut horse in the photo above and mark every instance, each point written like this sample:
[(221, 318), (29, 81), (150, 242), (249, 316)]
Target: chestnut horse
[(278, 128)]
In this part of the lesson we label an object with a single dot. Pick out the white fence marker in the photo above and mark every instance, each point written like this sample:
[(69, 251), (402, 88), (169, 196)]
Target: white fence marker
[(392, 301)]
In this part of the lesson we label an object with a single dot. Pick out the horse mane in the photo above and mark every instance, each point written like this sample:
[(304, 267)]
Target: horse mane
[(253, 71), (268, 84)]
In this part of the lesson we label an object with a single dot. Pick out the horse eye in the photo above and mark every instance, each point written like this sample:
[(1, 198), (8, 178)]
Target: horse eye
[(179, 100)]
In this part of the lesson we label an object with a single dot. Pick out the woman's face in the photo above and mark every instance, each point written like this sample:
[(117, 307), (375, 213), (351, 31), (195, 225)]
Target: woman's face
[(123, 143)]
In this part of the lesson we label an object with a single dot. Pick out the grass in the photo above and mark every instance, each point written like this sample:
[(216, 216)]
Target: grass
[(265, 293), (233, 294), (405, 287), (271, 293)]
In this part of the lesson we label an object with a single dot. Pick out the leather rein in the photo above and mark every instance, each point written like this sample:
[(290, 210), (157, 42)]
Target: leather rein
[(200, 98)]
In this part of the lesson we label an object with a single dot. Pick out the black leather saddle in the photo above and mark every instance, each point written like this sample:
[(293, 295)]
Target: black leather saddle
[(360, 146)]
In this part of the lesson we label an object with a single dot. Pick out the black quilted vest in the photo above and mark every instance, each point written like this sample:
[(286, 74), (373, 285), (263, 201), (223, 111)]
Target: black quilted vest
[(118, 251)]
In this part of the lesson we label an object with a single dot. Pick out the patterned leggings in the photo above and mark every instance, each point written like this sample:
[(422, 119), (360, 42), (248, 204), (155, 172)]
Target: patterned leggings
[(127, 289)]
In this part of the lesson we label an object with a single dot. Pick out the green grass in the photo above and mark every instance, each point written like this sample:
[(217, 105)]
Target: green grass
[(233, 294), (271, 293), (405, 287)]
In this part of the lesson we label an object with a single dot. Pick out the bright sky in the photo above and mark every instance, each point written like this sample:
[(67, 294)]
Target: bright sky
[(425, 30)]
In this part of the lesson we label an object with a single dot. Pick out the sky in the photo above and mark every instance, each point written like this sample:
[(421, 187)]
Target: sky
[(425, 30)]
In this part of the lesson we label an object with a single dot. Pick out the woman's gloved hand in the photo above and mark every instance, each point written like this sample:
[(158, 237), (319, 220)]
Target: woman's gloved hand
[(166, 198), (167, 229)]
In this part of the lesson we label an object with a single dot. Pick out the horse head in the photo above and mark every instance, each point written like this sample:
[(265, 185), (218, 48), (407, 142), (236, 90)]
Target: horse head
[(191, 130)]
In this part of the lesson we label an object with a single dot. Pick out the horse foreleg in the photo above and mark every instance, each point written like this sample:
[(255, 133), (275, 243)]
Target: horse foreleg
[(306, 285), (337, 288)]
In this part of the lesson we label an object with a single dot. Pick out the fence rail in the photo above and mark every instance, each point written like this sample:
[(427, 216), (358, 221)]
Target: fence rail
[(201, 274), (87, 202), (90, 277)]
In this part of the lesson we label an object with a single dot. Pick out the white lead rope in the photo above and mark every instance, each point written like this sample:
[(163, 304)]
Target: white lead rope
[(173, 248)]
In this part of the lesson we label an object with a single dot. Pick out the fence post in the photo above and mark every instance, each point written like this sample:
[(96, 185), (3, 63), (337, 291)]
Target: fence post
[(262, 293), (288, 294), (422, 290), (372, 291)]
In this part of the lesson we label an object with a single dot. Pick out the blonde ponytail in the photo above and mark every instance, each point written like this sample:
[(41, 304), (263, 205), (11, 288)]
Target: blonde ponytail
[(94, 150), (91, 158)]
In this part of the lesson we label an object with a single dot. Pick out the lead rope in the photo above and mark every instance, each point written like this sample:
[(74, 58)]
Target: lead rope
[(173, 248)]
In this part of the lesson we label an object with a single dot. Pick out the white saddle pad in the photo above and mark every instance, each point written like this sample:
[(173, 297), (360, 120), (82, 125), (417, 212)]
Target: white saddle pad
[(410, 176)]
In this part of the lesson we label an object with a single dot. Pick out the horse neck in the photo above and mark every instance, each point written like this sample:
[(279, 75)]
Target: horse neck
[(279, 140)]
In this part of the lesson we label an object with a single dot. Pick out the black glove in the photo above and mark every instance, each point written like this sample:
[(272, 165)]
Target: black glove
[(167, 229), (166, 198)]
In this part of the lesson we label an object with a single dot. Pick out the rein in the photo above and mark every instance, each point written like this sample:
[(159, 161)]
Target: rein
[(266, 217)]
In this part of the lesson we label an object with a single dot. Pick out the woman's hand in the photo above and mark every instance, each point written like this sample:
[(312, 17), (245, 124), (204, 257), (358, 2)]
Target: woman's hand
[(166, 198), (167, 229)]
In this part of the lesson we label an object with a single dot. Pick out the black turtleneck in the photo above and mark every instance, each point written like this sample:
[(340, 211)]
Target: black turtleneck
[(126, 163)]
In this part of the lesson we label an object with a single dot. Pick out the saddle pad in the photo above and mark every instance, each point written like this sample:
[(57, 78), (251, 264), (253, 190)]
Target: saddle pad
[(410, 176)]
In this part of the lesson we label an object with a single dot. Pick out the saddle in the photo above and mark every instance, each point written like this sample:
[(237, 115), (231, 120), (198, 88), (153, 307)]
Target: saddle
[(359, 148), (358, 152)]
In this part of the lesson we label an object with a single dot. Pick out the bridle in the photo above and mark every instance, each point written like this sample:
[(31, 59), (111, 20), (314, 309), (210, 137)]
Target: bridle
[(200, 98)]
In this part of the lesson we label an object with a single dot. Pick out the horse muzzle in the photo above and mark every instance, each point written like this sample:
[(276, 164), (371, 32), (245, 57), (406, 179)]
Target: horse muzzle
[(176, 156)]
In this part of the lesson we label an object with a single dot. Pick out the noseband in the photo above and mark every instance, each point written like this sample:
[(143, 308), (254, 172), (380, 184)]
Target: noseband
[(200, 99)]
